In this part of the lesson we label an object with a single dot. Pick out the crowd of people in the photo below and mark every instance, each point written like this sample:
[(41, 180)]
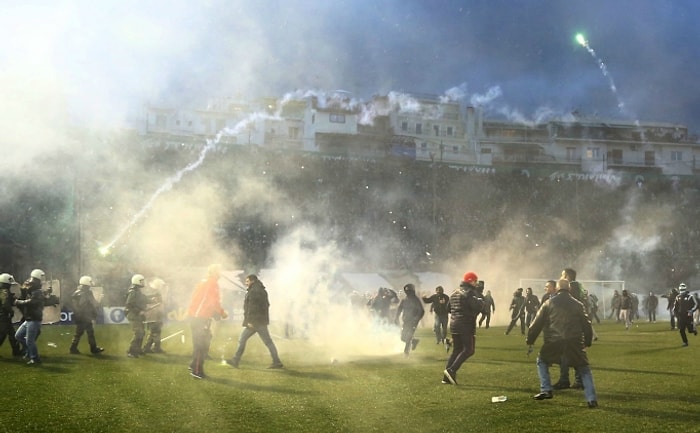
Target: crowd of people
[(562, 316)]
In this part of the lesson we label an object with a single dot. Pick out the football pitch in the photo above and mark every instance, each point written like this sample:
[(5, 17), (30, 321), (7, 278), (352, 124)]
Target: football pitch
[(646, 382)]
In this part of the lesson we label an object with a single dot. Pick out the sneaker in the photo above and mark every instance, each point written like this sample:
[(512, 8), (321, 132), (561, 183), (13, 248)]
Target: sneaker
[(560, 385), (74, 352), (275, 366), (197, 375), (414, 343), (132, 355), (592, 404), (685, 344), (232, 362), (445, 382), (34, 361), (450, 376), (544, 395), (97, 350)]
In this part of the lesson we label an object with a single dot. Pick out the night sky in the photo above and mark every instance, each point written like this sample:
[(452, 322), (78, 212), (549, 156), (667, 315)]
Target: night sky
[(99, 62)]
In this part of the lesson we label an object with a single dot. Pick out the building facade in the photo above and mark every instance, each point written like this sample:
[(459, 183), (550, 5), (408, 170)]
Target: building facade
[(429, 129)]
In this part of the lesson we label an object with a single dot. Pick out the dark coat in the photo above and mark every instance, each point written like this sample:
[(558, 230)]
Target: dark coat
[(33, 306), (412, 310), (465, 304), (84, 304), (566, 329), (256, 306), (439, 303), (136, 303)]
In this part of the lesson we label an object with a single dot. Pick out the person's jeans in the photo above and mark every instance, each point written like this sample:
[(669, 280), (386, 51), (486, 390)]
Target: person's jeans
[(26, 335), (543, 373), (264, 336), (587, 379), (440, 327), (583, 371)]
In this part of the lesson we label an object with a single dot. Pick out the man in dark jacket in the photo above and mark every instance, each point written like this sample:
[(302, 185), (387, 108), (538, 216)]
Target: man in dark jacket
[(489, 308), (465, 304), (440, 307), (7, 299), (651, 303), (671, 298), (84, 313), (411, 310), (31, 304), (683, 308), (532, 303), (256, 317), (517, 309), (567, 332), (136, 304)]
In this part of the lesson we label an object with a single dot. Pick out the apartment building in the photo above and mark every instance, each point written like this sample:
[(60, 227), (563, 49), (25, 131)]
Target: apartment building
[(429, 128)]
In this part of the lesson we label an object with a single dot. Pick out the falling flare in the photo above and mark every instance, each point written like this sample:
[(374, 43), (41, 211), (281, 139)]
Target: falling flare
[(604, 69)]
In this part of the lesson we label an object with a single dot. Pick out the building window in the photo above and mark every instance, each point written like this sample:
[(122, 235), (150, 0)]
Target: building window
[(449, 131), (593, 153), (436, 130), (616, 156), (404, 126), (337, 118), (455, 149), (649, 158), (424, 145), (419, 128), (570, 153), (293, 132), (676, 155)]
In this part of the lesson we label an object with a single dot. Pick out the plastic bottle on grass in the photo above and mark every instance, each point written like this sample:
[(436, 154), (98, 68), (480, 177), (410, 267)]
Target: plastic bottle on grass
[(499, 399)]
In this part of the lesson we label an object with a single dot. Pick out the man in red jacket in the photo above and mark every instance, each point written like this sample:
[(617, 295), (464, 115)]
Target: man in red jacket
[(204, 306)]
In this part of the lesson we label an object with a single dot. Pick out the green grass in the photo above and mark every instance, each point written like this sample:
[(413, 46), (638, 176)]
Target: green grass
[(646, 382)]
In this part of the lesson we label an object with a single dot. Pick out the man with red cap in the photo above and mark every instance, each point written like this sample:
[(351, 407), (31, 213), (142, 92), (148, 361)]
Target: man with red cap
[(465, 304)]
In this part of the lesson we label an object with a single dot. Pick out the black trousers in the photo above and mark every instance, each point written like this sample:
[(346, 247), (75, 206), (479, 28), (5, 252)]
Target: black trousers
[(7, 330), (201, 340)]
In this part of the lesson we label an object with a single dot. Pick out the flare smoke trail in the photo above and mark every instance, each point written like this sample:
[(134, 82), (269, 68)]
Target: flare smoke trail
[(604, 69), (165, 187), (177, 177)]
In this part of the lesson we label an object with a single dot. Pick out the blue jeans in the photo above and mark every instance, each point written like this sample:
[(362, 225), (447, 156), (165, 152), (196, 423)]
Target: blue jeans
[(26, 336), (440, 327), (264, 336), (584, 371)]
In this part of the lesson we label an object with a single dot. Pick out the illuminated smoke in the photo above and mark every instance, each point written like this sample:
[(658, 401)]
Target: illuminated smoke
[(104, 250), (177, 177), (493, 93)]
